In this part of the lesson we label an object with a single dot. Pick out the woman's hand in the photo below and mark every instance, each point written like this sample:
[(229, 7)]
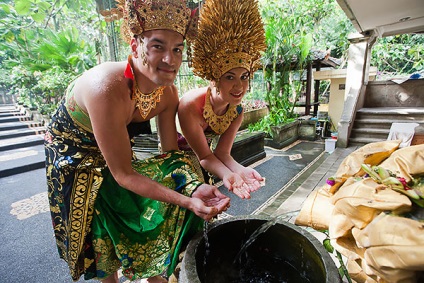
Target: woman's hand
[(252, 178), (208, 201), (235, 183)]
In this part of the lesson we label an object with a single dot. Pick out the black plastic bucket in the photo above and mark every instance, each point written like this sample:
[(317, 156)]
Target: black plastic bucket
[(283, 253)]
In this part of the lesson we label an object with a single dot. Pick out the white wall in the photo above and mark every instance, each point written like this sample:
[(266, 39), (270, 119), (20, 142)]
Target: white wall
[(337, 78)]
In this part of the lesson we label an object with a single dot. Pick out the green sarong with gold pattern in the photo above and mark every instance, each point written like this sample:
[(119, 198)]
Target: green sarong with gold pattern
[(100, 226), (140, 234)]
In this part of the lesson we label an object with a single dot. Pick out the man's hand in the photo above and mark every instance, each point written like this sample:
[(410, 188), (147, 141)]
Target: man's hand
[(208, 201)]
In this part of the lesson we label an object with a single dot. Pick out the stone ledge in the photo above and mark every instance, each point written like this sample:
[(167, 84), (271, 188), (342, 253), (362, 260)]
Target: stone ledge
[(248, 147)]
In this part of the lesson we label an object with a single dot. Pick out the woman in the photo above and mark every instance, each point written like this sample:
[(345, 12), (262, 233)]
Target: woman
[(226, 52), (109, 210)]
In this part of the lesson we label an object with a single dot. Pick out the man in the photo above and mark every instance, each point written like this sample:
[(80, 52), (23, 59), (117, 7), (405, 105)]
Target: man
[(110, 211)]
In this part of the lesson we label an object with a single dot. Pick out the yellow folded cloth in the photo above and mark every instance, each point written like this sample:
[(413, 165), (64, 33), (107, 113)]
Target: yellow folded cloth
[(379, 247), (406, 162), (355, 206), (394, 247), (316, 210), (362, 201), (371, 154)]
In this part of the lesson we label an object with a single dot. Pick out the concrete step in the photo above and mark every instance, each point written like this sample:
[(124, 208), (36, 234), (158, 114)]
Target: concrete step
[(392, 113), (370, 133), (11, 113), (382, 123), (15, 119), (15, 133), (360, 141), (373, 124), (16, 161), (7, 108), (21, 142), (9, 126)]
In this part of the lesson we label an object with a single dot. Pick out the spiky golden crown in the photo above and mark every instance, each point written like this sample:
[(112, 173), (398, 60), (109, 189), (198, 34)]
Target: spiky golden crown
[(144, 15), (230, 35)]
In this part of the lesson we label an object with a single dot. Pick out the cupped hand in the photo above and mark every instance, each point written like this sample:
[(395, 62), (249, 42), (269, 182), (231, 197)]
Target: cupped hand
[(252, 178), (208, 201), (235, 183)]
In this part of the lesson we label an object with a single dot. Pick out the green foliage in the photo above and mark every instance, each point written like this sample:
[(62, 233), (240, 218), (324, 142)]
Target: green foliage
[(38, 55), (278, 117), (50, 88), (288, 46), (292, 28), (398, 55)]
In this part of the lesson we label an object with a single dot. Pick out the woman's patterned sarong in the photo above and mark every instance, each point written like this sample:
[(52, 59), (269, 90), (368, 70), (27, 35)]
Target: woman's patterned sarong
[(100, 226)]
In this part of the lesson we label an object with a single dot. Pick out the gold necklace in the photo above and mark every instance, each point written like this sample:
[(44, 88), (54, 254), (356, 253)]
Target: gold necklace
[(219, 124), (146, 102)]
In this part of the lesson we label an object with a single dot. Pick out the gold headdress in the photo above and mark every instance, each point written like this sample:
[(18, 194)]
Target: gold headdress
[(230, 35), (144, 15)]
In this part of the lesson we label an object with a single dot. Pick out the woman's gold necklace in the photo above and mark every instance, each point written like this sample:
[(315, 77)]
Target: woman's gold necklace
[(219, 124)]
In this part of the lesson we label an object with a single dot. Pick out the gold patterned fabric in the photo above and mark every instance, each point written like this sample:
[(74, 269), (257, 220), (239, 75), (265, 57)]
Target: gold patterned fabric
[(144, 235), (85, 203), (73, 168)]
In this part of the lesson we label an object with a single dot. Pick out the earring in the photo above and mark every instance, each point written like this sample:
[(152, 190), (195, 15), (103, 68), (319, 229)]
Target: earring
[(142, 53), (217, 87)]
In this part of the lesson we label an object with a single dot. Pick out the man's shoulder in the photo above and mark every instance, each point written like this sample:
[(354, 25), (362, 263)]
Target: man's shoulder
[(107, 77)]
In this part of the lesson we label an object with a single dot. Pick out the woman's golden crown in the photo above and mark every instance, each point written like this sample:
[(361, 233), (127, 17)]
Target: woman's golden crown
[(230, 35)]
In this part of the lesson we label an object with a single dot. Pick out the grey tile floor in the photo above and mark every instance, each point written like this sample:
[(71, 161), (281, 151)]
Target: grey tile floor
[(292, 197)]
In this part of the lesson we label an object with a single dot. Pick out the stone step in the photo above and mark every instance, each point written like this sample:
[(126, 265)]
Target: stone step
[(370, 133), (393, 110), (146, 142), (373, 124), (15, 119), (8, 126), (11, 113), (15, 133), (391, 113), (21, 142), (16, 161), (7, 108), (359, 141), (382, 123)]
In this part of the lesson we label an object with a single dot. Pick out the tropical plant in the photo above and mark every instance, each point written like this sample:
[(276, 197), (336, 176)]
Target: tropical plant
[(293, 28), (287, 54), (398, 55), (38, 54)]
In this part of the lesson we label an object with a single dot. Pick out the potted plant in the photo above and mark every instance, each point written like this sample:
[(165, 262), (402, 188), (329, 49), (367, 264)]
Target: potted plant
[(254, 111)]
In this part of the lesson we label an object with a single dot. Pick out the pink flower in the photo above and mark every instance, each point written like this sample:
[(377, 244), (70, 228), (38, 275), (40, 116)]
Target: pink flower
[(403, 181), (330, 181)]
